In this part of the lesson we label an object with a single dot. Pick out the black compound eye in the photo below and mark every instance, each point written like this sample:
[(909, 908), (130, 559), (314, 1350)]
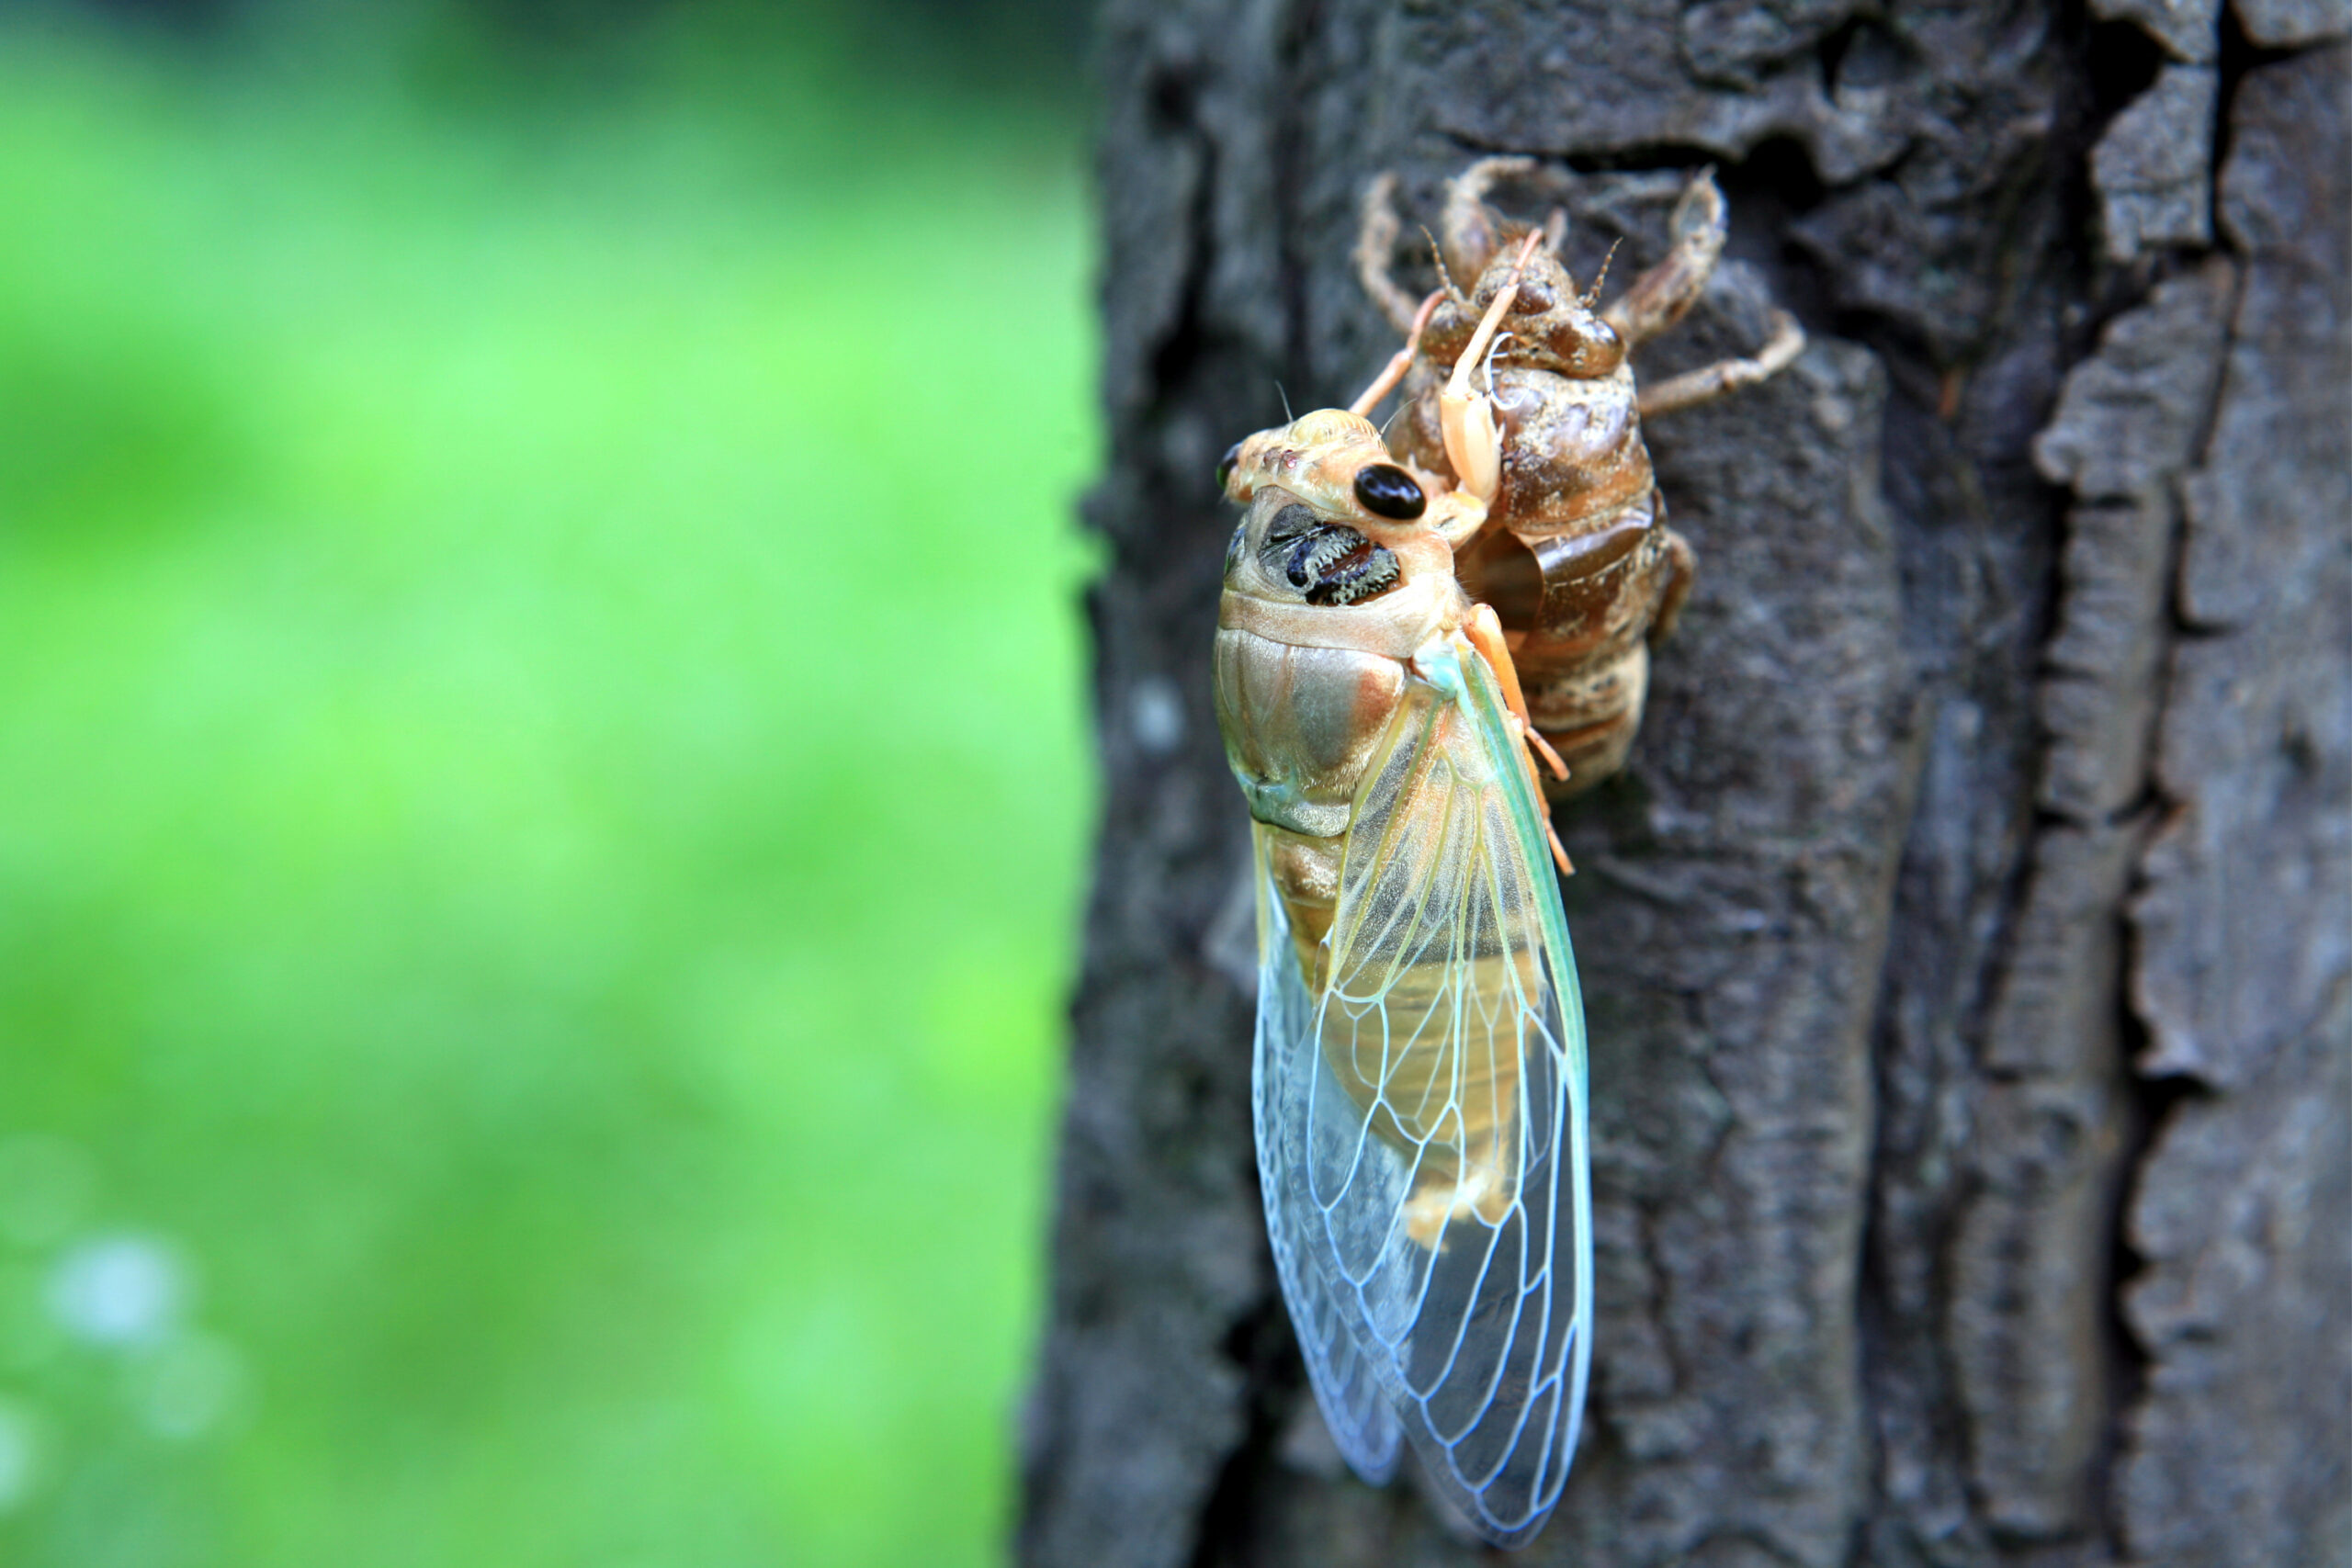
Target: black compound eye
[(1225, 464), (1387, 490)]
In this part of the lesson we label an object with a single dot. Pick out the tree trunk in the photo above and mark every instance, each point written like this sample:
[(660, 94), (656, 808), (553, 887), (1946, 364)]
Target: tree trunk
[(1968, 944)]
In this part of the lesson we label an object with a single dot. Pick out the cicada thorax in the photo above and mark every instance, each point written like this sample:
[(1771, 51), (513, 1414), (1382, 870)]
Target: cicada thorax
[(1329, 596), (1576, 556), (1325, 605)]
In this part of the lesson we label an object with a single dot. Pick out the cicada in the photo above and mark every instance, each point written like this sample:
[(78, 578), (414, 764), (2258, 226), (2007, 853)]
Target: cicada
[(1576, 557), (1419, 1081)]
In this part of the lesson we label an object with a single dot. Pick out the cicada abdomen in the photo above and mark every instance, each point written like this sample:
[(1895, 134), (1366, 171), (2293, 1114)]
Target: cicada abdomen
[(1577, 558), (1418, 1077)]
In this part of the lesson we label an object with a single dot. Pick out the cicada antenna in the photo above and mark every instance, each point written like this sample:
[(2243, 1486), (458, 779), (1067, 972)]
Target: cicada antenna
[(1437, 255), (1602, 276)]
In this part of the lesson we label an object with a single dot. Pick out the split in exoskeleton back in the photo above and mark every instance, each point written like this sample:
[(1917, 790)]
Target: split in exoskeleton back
[(1574, 554)]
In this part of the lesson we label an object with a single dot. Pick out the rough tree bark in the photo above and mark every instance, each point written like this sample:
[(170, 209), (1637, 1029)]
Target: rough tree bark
[(1968, 947)]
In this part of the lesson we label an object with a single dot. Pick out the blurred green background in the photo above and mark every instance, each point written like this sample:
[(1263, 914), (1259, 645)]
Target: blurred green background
[(541, 775)]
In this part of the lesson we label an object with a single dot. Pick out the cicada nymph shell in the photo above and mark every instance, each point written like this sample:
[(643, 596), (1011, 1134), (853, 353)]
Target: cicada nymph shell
[(1576, 556), (1419, 1081)]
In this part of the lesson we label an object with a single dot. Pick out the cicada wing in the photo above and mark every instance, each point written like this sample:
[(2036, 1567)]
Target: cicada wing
[(1355, 1405), (1422, 1122)]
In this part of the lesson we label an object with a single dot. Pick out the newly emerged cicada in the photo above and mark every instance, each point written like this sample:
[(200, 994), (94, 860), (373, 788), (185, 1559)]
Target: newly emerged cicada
[(1419, 1081), (1577, 558)]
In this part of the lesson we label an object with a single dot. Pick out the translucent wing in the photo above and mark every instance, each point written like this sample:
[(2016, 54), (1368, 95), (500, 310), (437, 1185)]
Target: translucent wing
[(1422, 1136), (1355, 1403)]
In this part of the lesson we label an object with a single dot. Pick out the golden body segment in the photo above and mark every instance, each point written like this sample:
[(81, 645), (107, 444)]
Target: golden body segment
[(1576, 556)]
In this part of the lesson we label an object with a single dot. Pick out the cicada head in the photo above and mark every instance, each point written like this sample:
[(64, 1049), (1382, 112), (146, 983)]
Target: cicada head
[(1334, 518), (1549, 326)]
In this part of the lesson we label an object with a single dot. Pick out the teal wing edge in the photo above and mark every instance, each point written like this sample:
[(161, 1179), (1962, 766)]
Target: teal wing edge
[(1482, 694)]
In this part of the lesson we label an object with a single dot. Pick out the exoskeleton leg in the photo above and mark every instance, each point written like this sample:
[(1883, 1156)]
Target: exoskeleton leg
[(1682, 570), (1709, 382), (1468, 226), (1470, 238), (1662, 295), (1376, 245)]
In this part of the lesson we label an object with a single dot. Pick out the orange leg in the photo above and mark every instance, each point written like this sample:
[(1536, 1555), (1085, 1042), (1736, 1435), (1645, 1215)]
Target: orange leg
[(1472, 444), (1484, 630), (1398, 361)]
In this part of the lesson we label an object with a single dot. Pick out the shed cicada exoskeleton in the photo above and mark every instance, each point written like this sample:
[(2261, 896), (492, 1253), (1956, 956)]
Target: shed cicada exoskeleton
[(1419, 1069), (1577, 558)]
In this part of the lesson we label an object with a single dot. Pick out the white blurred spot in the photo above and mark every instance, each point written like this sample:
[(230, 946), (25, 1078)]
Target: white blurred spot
[(46, 1186), (1155, 713), (18, 1455), (189, 1387), (117, 1290)]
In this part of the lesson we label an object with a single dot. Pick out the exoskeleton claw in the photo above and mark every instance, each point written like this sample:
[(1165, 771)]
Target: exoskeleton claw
[(1700, 207), (1709, 382), (1472, 234), (1664, 295)]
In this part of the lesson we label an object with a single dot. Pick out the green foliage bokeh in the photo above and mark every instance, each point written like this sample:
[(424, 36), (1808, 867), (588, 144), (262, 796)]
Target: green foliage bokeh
[(542, 795)]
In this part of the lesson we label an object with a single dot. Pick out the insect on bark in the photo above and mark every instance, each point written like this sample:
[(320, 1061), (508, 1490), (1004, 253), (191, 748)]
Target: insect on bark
[(1577, 558), (1419, 1081)]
